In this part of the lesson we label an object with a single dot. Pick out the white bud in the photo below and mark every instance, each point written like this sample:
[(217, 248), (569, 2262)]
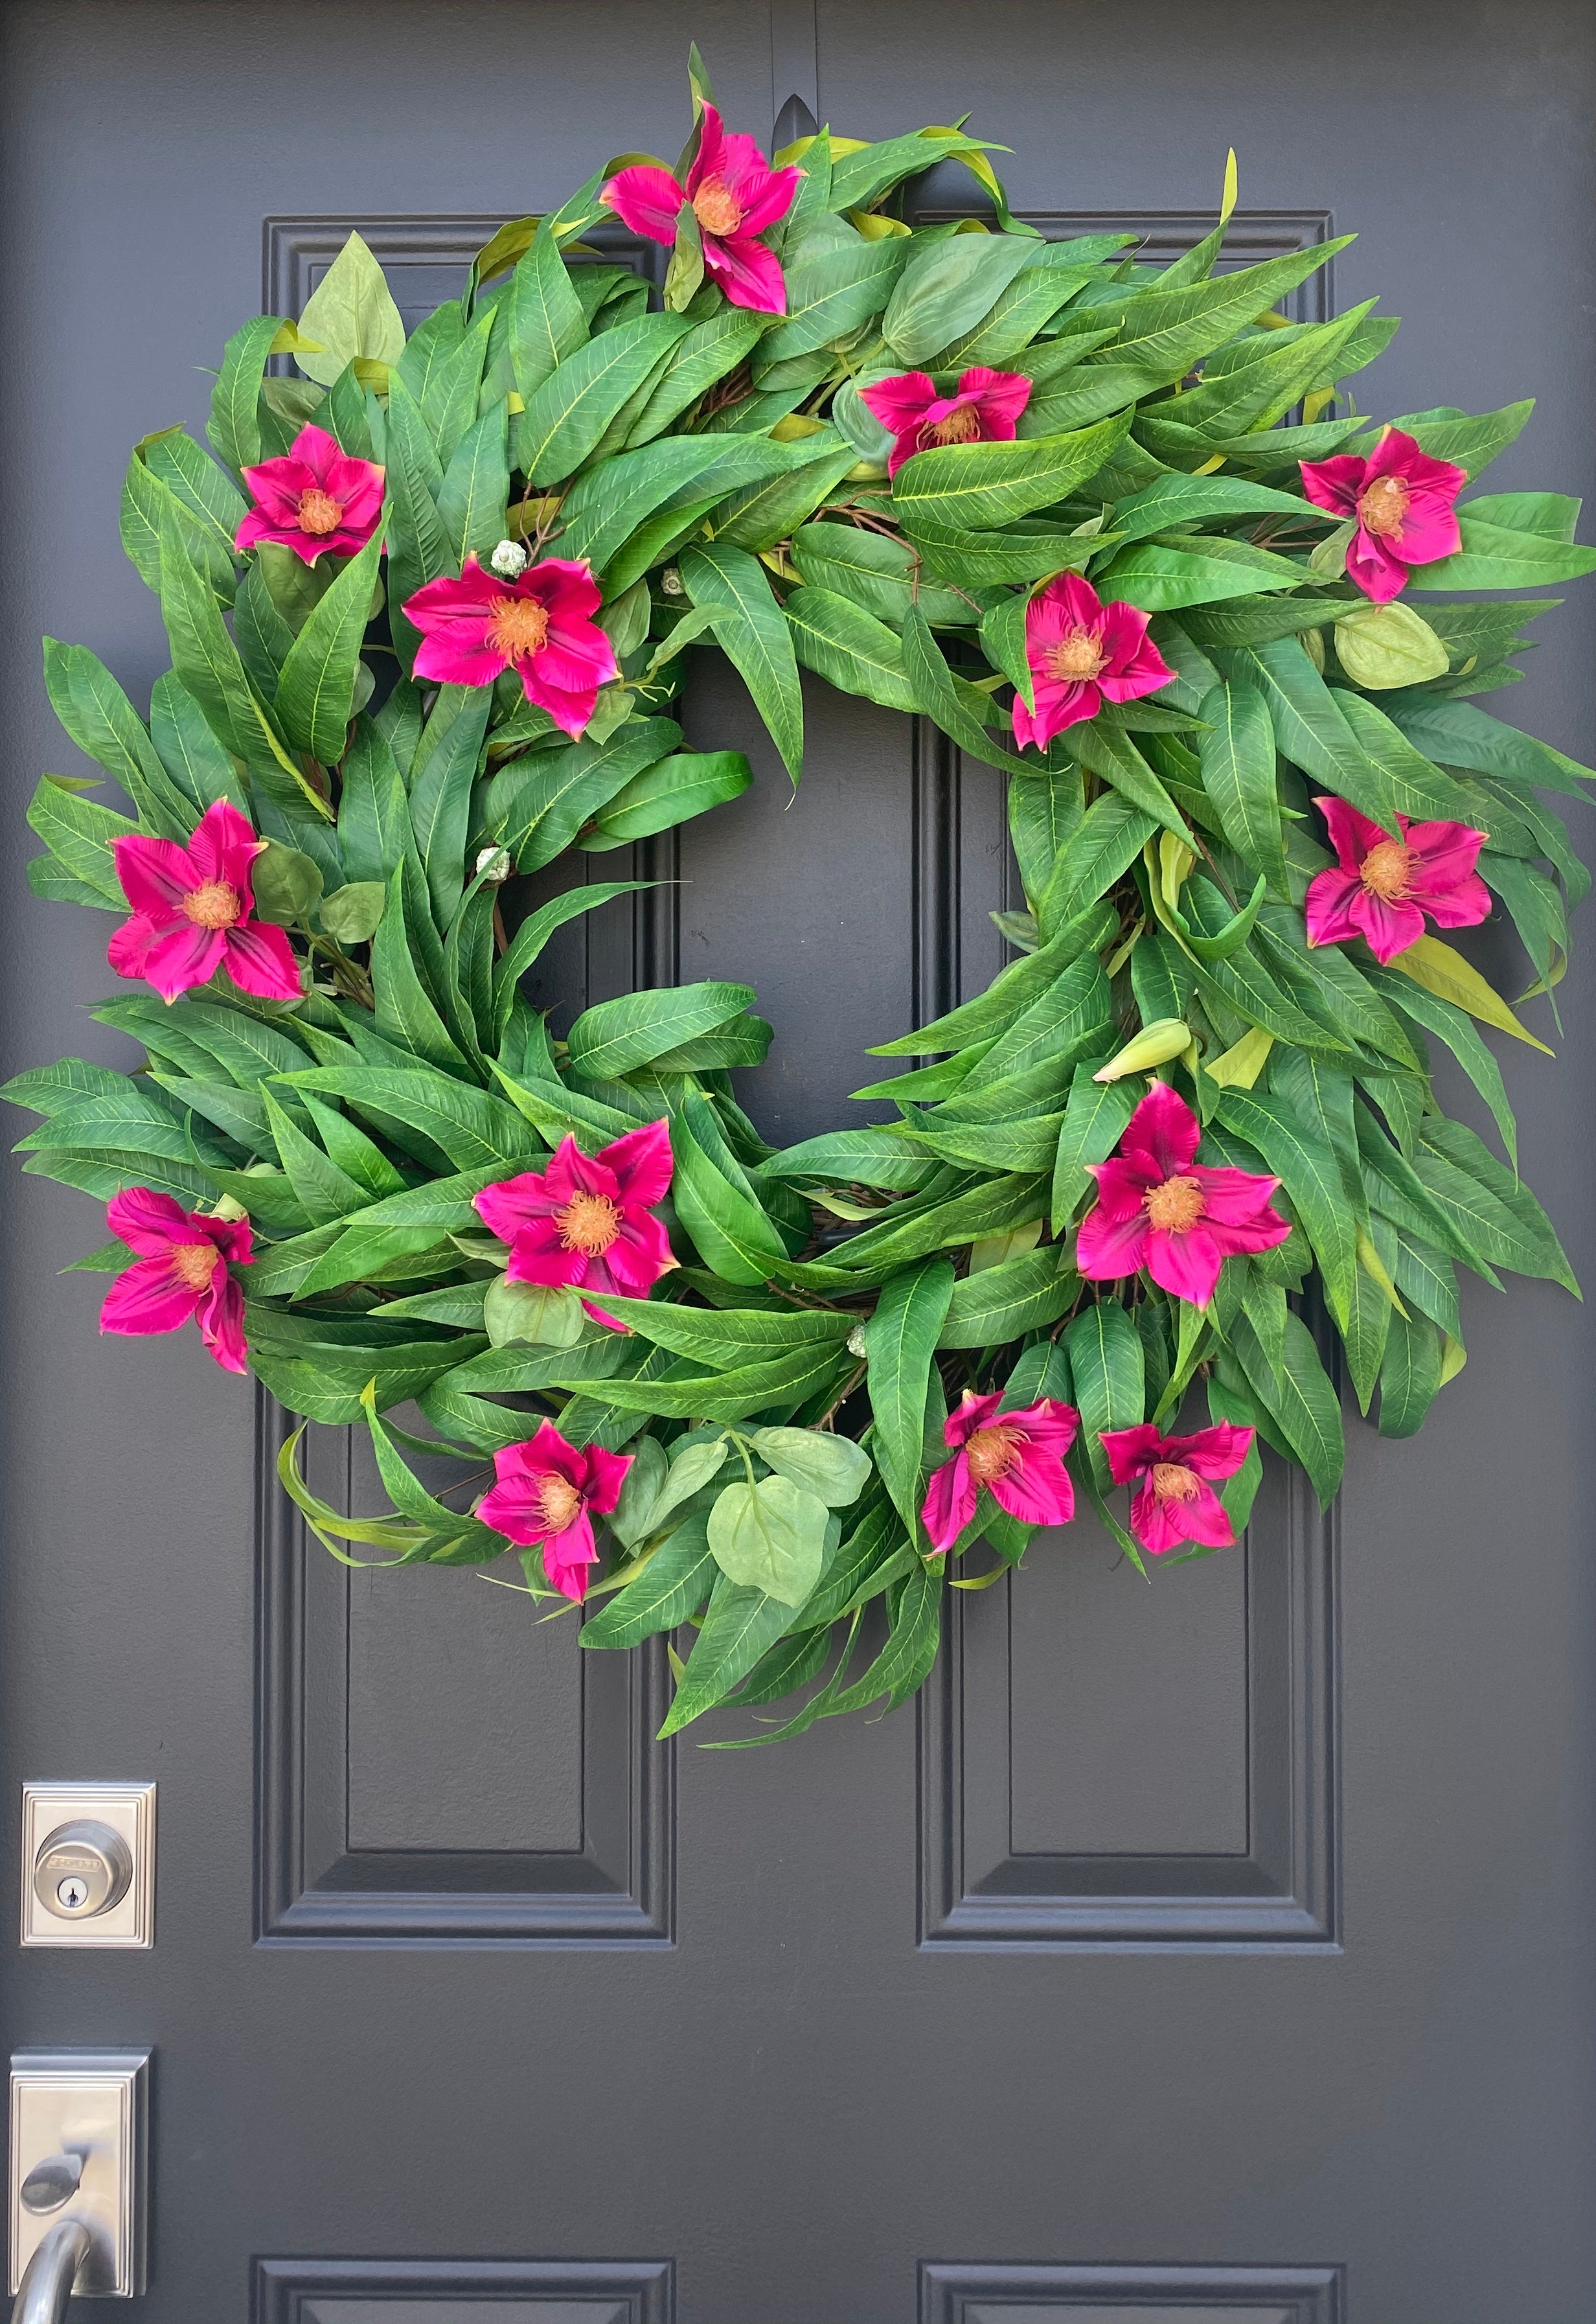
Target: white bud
[(510, 560), (495, 863), (671, 584), (856, 1341)]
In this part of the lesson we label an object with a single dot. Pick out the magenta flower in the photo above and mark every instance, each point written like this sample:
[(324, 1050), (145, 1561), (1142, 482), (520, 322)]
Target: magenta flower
[(1018, 1457), (735, 196), (586, 1220), (1158, 1207), (1082, 653), (1402, 500), (538, 626), (546, 1489), (984, 411), (1177, 1502), (191, 912), (315, 498), (1381, 888), (181, 1271)]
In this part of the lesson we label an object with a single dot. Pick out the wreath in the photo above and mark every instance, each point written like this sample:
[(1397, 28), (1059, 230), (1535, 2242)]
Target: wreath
[(1124, 535)]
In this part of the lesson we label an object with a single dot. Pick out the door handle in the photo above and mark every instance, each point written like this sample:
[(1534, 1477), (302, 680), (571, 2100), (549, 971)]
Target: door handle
[(78, 2178), (52, 2273)]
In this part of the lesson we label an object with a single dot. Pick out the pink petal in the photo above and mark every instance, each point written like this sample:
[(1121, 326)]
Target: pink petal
[(221, 1322), (971, 1411), (148, 1297), (277, 486), (1105, 1248), (149, 1223), (573, 1172), (569, 712), (709, 161), (1186, 1265), (1058, 704), (556, 1267), (156, 874), (1334, 483), (508, 1204), (902, 402), (223, 847), (549, 1450), (130, 945), (1131, 1452), (177, 959), (606, 1474), (748, 274), (1234, 1238), (1427, 535), (646, 200), (1035, 1488), (1373, 566), (1351, 834), (766, 199), (1003, 395), (1135, 666), (1388, 928), (949, 1503), (284, 533), (1051, 1425), (1328, 907), (1464, 907), (259, 959), (1445, 853), (567, 1555), (565, 584), (639, 1254), (1164, 1127), (1217, 1452), (642, 1164), (1396, 454), (318, 451), (598, 1315), (512, 1508), (577, 659), (1121, 1183), (1163, 1525), (1231, 1198), (453, 663)]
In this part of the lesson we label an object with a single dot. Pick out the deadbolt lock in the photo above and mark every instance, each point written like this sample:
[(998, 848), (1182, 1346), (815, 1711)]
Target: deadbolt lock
[(83, 1867)]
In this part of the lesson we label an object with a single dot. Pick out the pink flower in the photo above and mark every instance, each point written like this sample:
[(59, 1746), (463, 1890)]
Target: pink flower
[(585, 1220), (1159, 1208), (1018, 1456), (1381, 887), (984, 411), (315, 498), (1176, 1503), (735, 196), (1083, 653), (545, 1488), (191, 912), (182, 1271), (1402, 500), (538, 626)]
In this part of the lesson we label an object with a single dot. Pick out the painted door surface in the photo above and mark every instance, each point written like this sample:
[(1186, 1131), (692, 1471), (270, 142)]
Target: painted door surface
[(1222, 1951)]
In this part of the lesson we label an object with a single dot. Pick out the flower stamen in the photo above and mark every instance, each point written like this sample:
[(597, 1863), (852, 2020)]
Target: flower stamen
[(960, 426), (1172, 1482), (1386, 870), (1077, 657), (519, 626), (1382, 508), (1175, 1206), (993, 1452), (195, 1263), (319, 512), (559, 1502), (217, 904), (716, 208), (589, 1223)]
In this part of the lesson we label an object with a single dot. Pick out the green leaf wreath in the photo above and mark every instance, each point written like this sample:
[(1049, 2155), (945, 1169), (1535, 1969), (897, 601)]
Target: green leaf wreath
[(1123, 535)]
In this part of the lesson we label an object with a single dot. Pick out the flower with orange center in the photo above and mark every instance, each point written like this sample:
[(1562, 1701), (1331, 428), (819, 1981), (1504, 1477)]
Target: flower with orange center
[(1082, 653), (540, 625), (1159, 1208), (985, 408), (313, 499), (547, 1493), (192, 912), (734, 195), (1401, 505), (182, 1272), (1382, 888), (1177, 1502), (716, 208), (587, 1221), (1017, 1457)]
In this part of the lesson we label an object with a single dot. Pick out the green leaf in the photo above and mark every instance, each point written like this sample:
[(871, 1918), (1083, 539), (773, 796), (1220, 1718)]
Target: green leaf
[(670, 1586), (1107, 1368), (440, 802), (316, 695), (352, 313), (615, 1037), (287, 885), (833, 1469), (751, 628), (1094, 1122), (1410, 1375), (546, 322), (1161, 576), (1300, 1153), (1238, 762), (672, 791), (1304, 1403), (190, 754), (567, 415), (770, 1536), (234, 428), (79, 833), (544, 1315), (731, 1233), (833, 287), (738, 1627), (979, 486), (476, 1129), (476, 486), (1492, 557), (946, 289), (102, 723), (899, 1343), (537, 806), (353, 914), (848, 647), (999, 1304)]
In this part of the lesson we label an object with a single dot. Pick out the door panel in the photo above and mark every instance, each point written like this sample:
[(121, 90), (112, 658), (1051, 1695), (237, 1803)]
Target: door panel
[(1221, 1950)]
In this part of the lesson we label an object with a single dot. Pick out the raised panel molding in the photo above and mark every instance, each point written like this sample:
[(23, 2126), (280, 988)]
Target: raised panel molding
[(462, 2292), (1278, 1887), (1135, 2295), (610, 1882)]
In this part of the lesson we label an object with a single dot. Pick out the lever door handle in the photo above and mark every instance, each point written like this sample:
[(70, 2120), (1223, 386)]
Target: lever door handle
[(52, 2273)]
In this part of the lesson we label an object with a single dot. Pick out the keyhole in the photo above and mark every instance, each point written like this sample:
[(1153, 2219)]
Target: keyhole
[(71, 1894)]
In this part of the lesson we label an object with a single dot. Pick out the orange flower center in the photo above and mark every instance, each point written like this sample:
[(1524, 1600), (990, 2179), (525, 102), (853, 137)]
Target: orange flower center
[(319, 512), (559, 1503), (1077, 655), (195, 1263), (1387, 870), (519, 626), (993, 1452), (1171, 1482), (1175, 1206), (960, 426), (717, 207), (216, 905), (588, 1223), (1381, 509)]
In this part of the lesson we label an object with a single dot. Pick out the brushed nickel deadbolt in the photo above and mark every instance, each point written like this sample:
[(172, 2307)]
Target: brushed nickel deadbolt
[(89, 1864)]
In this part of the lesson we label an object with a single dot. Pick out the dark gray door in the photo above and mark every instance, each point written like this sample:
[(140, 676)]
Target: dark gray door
[(1220, 1951)]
